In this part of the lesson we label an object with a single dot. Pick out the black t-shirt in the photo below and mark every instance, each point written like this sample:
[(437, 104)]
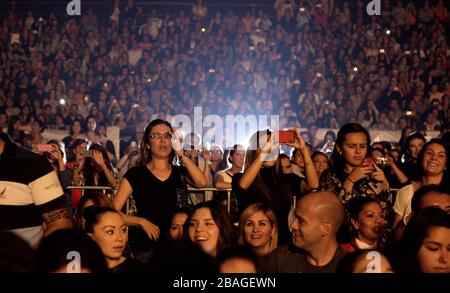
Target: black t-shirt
[(156, 200), (129, 266), (278, 202)]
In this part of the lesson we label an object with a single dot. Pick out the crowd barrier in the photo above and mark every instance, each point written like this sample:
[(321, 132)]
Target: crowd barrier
[(78, 191), (104, 189)]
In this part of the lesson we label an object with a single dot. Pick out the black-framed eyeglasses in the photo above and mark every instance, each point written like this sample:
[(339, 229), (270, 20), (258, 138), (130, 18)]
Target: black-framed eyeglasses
[(157, 135)]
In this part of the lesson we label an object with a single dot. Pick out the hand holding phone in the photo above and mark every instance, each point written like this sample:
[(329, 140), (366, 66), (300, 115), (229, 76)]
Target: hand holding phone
[(44, 148), (87, 153), (367, 162)]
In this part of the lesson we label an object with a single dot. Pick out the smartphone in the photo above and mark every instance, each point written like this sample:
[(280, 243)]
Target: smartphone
[(367, 162), (87, 153), (381, 161), (44, 148), (285, 136)]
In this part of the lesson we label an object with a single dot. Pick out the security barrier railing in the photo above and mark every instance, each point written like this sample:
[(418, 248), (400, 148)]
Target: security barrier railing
[(204, 190), (110, 189)]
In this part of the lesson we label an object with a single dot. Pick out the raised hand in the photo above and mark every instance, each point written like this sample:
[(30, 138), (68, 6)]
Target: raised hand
[(98, 158), (265, 149), (177, 141), (378, 175), (299, 143)]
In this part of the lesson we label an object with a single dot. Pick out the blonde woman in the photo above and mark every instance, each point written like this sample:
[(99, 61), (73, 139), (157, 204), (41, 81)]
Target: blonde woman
[(258, 229)]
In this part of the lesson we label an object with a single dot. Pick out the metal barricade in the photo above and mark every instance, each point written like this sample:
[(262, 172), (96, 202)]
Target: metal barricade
[(228, 191), (108, 188)]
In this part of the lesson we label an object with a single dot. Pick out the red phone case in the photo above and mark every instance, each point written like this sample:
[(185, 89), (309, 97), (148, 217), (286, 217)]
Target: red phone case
[(285, 136), (367, 162)]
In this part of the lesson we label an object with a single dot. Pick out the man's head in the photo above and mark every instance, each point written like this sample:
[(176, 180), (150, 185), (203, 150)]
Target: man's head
[(431, 195), (318, 216)]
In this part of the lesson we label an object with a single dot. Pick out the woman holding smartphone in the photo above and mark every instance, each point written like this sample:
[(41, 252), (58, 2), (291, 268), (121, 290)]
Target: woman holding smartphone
[(353, 172), (264, 182)]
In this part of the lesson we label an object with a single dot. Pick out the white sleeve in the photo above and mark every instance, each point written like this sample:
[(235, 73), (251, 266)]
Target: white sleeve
[(46, 188), (399, 205)]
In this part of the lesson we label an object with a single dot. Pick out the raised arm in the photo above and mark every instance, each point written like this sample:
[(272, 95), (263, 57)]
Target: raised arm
[(220, 183), (312, 180)]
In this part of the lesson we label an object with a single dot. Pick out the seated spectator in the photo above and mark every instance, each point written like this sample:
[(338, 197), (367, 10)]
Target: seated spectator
[(16, 130), (426, 196), (90, 199), (368, 224), (318, 216), (321, 162), (55, 253), (258, 230), (424, 245), (409, 165), (37, 127), (237, 259), (176, 224), (224, 177), (431, 196), (16, 255), (74, 133), (106, 227), (209, 227), (91, 130), (433, 165)]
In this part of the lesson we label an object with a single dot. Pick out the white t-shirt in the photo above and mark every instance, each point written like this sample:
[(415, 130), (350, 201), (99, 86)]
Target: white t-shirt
[(227, 178), (402, 206)]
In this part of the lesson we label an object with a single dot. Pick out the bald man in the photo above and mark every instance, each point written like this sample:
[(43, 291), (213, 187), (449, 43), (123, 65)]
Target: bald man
[(318, 216)]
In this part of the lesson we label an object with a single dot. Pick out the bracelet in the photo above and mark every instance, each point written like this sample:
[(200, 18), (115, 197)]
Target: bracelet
[(209, 163), (348, 178), (180, 156)]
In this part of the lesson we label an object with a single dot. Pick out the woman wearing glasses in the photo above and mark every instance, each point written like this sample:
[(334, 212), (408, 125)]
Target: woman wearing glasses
[(154, 183)]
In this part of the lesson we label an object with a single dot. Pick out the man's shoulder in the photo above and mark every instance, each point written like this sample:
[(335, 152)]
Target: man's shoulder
[(284, 259)]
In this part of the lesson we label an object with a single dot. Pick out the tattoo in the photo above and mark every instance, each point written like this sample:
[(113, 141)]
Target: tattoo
[(55, 215)]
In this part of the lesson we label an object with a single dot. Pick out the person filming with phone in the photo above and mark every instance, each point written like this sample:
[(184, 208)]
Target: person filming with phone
[(93, 168), (263, 180), (353, 173)]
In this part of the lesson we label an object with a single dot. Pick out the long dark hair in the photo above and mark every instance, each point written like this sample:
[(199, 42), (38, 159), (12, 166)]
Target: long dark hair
[(440, 142), (220, 216), (259, 185), (88, 170), (415, 233), (338, 161), (406, 155), (145, 154)]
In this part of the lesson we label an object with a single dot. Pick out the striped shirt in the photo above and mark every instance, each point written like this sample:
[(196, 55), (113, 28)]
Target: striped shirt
[(29, 187)]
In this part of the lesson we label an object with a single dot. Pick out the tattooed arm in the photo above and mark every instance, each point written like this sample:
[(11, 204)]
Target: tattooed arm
[(56, 215)]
